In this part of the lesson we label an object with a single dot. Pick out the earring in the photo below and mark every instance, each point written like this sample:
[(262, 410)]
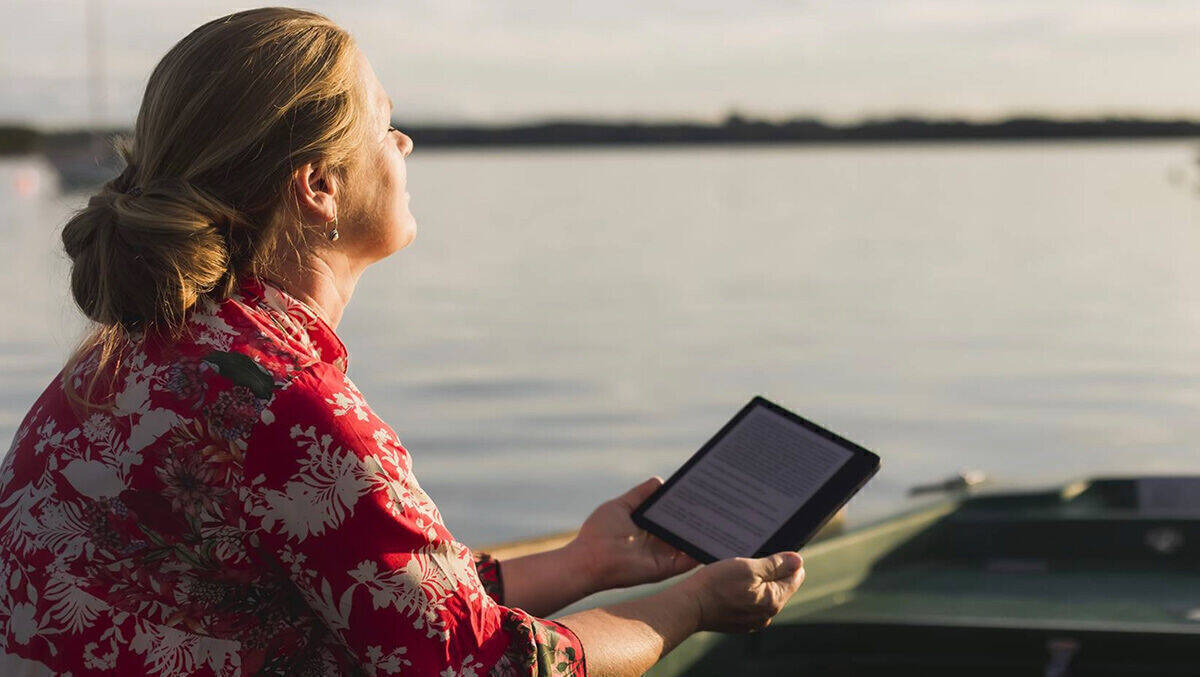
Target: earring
[(333, 234)]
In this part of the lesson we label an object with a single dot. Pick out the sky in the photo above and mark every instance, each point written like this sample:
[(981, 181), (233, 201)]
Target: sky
[(453, 61)]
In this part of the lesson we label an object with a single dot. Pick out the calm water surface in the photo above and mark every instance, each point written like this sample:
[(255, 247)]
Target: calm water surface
[(569, 322)]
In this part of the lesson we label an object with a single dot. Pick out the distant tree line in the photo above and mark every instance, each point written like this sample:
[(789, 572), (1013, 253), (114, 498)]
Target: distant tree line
[(737, 129), (734, 129)]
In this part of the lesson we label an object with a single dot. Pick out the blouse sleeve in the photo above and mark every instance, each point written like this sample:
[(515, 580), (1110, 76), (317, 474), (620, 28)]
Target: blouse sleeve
[(488, 569), (330, 496)]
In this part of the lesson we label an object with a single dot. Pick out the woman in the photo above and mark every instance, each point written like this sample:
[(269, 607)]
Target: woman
[(202, 490)]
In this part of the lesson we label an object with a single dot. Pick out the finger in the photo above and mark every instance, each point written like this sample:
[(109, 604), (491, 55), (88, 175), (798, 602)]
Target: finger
[(681, 562), (787, 586), (781, 565), (799, 578), (635, 496), (661, 548), (783, 589)]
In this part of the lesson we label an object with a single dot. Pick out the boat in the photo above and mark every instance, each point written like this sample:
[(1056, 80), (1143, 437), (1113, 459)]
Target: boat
[(1094, 577), (82, 165)]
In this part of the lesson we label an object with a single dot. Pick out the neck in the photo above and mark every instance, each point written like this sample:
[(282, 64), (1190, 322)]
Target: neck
[(324, 280)]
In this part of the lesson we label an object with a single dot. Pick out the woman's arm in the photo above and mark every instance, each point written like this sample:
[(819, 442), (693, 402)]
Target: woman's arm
[(610, 551), (628, 638), (733, 595), (545, 582)]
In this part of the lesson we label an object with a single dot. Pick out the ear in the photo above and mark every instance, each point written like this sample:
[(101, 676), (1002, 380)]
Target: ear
[(316, 192)]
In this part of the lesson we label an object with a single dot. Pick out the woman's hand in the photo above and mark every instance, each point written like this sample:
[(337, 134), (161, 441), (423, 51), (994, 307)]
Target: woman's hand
[(616, 553), (733, 595), (743, 595)]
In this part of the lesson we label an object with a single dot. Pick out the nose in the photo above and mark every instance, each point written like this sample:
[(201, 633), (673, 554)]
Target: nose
[(406, 144)]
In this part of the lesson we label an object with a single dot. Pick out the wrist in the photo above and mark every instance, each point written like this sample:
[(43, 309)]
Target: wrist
[(688, 596), (578, 557)]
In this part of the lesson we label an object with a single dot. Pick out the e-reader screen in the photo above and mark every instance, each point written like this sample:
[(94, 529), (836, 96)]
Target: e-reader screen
[(752, 479)]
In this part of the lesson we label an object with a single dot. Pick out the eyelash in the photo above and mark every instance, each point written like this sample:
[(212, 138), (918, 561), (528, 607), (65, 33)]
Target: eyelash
[(392, 129)]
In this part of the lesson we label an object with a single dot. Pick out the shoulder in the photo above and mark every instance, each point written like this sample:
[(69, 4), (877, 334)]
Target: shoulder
[(322, 395), (316, 451), (321, 408)]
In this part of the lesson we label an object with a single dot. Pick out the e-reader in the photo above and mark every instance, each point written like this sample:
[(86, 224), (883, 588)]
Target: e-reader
[(766, 482)]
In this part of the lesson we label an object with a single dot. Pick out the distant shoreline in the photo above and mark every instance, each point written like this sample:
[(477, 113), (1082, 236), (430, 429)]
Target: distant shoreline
[(15, 139), (799, 131)]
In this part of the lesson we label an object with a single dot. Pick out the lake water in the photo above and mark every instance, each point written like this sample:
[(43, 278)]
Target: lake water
[(569, 322)]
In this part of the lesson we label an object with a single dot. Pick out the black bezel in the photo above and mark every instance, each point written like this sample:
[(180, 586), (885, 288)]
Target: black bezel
[(811, 516)]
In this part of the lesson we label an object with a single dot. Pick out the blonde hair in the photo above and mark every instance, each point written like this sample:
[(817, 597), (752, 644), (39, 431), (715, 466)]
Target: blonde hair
[(228, 114)]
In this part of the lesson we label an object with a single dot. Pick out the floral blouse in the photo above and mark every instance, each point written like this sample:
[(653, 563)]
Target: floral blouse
[(239, 509)]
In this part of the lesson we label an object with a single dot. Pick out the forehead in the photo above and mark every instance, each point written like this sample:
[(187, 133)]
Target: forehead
[(378, 101)]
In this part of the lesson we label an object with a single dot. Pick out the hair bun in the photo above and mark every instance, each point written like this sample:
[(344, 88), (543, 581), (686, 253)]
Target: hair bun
[(145, 257)]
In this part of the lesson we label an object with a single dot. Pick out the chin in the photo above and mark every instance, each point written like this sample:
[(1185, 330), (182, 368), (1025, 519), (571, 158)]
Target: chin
[(405, 235)]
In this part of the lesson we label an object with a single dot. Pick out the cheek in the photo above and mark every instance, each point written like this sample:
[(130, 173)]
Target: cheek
[(378, 188), (398, 179)]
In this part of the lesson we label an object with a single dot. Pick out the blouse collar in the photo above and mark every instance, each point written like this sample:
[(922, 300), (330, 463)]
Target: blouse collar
[(297, 319)]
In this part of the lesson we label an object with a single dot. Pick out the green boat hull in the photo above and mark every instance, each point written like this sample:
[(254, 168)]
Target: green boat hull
[(1077, 580)]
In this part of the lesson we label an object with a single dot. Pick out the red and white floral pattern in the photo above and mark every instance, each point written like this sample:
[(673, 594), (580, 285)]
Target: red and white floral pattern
[(237, 508)]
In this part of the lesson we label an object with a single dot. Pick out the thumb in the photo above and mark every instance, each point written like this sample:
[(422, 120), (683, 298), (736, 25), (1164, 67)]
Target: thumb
[(635, 496), (781, 565)]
